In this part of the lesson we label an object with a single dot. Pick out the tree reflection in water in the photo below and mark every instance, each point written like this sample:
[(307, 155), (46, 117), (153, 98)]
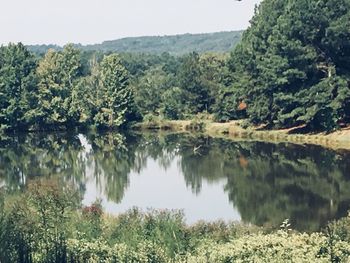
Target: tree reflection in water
[(266, 182)]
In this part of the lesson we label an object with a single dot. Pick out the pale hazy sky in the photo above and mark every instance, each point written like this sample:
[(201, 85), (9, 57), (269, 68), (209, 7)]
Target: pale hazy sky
[(93, 21)]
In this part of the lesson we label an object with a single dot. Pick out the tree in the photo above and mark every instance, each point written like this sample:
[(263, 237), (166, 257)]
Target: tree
[(17, 86), (290, 67), (149, 89), (174, 103), (58, 73), (38, 223), (190, 81), (215, 76), (114, 97)]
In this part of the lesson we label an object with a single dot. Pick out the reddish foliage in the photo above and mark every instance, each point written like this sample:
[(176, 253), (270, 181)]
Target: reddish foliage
[(94, 210), (242, 106), (243, 162)]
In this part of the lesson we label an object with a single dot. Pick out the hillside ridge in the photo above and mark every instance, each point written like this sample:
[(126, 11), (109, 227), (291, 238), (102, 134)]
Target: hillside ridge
[(174, 44)]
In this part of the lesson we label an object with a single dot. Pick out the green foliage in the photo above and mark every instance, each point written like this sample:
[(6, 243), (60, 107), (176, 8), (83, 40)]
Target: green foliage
[(90, 225), (17, 86), (275, 247), (81, 251), (82, 104), (61, 92), (215, 76), (44, 224), (2, 224), (289, 67), (163, 228), (266, 182), (58, 72), (149, 90), (174, 103), (36, 224), (175, 45), (177, 87), (197, 94), (114, 98)]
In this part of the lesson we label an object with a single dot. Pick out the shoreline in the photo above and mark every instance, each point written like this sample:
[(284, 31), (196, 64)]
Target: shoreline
[(338, 140)]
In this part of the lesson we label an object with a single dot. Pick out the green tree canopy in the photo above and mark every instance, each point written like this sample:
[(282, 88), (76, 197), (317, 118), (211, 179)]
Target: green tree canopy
[(290, 67), (114, 97), (58, 72), (17, 86)]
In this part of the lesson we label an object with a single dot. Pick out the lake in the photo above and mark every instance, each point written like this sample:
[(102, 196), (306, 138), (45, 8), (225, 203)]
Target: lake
[(208, 179)]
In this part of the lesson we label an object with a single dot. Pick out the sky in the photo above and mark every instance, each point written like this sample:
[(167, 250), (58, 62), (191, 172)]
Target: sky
[(94, 21)]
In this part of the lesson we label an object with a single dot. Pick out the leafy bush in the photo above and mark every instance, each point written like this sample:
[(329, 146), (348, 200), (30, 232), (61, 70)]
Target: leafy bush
[(99, 251)]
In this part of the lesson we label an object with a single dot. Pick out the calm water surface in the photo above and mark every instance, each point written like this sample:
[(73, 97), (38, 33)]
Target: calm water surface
[(209, 179)]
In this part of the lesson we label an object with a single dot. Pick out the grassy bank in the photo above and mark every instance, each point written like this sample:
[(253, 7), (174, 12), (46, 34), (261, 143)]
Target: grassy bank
[(235, 130)]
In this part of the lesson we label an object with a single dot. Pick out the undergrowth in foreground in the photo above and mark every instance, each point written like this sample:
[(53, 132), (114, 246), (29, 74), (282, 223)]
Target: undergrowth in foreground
[(46, 224)]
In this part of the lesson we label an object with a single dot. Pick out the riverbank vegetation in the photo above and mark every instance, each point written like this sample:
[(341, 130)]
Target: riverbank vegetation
[(45, 223), (289, 70)]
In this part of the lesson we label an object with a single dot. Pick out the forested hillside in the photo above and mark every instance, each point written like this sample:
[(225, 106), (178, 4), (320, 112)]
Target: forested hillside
[(290, 69), (175, 45)]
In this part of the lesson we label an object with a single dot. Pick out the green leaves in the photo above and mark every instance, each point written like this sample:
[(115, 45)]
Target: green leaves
[(114, 98), (58, 73), (291, 68), (17, 84), (294, 53), (55, 95)]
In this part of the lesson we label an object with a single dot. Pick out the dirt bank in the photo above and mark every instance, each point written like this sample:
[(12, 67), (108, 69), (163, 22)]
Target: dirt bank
[(233, 130)]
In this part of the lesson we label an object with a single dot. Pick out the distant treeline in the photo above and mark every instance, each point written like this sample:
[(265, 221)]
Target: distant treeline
[(175, 45), (290, 69)]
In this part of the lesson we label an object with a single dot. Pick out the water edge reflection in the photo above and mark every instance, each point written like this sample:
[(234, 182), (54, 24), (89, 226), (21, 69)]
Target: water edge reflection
[(259, 183)]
